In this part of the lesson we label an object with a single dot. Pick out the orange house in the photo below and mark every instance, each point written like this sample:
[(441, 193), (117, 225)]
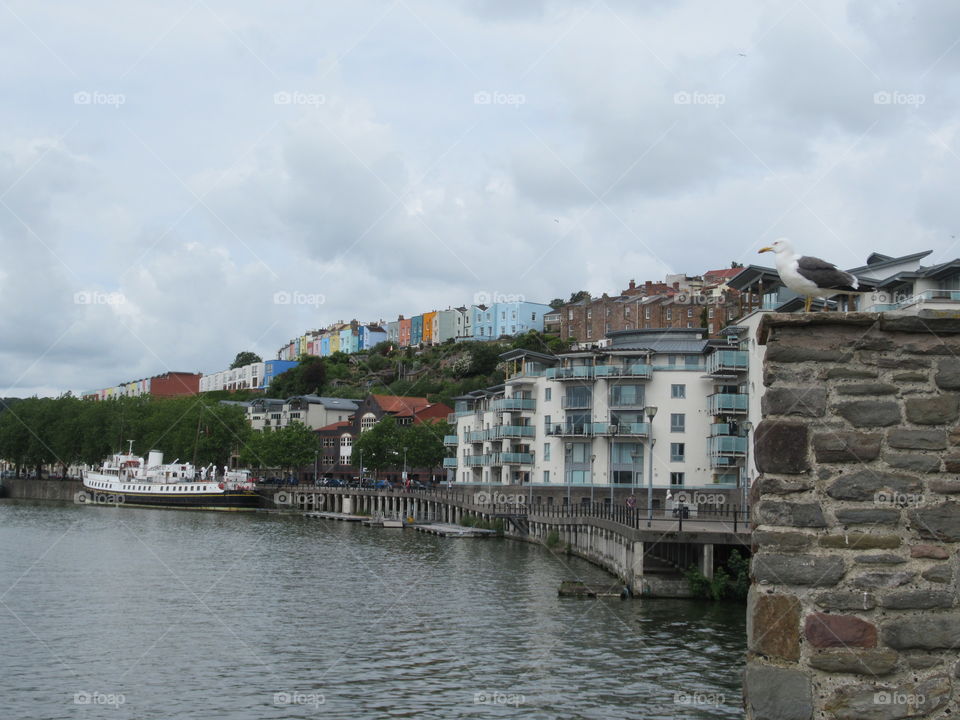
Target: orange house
[(403, 332), (428, 317)]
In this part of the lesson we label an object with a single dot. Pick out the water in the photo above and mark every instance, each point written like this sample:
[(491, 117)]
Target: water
[(129, 613)]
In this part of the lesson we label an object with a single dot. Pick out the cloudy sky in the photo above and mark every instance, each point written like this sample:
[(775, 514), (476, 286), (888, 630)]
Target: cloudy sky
[(166, 170)]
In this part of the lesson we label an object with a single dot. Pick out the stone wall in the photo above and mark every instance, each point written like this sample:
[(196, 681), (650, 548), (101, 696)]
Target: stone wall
[(32, 489), (853, 611)]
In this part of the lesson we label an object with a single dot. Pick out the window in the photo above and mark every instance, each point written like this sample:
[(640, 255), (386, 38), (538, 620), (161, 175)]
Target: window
[(569, 314), (546, 477), (533, 317), (678, 422), (646, 313), (546, 422), (546, 451), (678, 391), (669, 314), (367, 422), (689, 312), (672, 360), (547, 394), (676, 478), (345, 441), (677, 451), (710, 313)]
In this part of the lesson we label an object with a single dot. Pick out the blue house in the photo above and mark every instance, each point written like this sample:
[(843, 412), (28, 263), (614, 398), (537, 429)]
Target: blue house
[(516, 318), (416, 330), (272, 368), (371, 335)]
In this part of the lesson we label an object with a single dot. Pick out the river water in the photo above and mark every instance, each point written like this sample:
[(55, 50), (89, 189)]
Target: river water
[(132, 613)]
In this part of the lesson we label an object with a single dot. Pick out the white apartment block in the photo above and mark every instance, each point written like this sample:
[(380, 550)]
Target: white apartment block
[(666, 400), (313, 411)]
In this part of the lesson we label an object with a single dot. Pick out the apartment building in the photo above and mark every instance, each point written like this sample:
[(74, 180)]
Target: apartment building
[(314, 411)]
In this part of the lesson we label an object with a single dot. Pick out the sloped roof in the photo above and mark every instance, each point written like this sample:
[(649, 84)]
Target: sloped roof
[(400, 404)]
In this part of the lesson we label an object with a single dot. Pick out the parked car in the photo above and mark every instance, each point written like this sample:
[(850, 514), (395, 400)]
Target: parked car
[(332, 482), (383, 485)]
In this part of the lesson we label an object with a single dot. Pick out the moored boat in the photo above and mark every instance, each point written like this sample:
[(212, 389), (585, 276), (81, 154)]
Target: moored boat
[(128, 479)]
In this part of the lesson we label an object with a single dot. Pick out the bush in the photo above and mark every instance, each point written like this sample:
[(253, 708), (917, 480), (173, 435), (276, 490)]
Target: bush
[(730, 582), (553, 539)]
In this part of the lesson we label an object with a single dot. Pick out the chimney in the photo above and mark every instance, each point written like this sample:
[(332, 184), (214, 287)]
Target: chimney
[(676, 285), (633, 285), (648, 288)]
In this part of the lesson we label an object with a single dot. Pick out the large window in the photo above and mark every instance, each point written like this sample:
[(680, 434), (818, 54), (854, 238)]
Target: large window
[(367, 421), (676, 478), (547, 394), (626, 395), (546, 476), (546, 451), (678, 422), (678, 391), (677, 452)]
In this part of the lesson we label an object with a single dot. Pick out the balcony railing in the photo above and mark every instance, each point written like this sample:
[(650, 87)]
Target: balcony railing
[(476, 436), (621, 402), (578, 372), (512, 458), (634, 370), (727, 361), (449, 440), (576, 402), (640, 429), (513, 403), (727, 403), (476, 460), (599, 429), (450, 462), (727, 446), (510, 431)]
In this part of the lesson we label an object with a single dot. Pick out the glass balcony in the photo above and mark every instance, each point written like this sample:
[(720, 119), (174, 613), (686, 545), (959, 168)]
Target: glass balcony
[(640, 429), (476, 460), (450, 440), (578, 372), (573, 429), (511, 458), (476, 436), (632, 370), (510, 431), (450, 462), (576, 402), (513, 403), (727, 403), (727, 445), (727, 361)]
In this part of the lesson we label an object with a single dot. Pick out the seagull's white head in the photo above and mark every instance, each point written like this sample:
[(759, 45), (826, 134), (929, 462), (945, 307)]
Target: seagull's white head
[(779, 246)]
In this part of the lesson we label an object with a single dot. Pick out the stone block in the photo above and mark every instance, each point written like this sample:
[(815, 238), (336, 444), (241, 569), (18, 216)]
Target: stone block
[(888, 701), (867, 389), (938, 574), (781, 446), (929, 551), (948, 373), (807, 570), (778, 352), (951, 464), (865, 485), (876, 580), (846, 600), (772, 485), (773, 625), (874, 662), (845, 446), (941, 522), (917, 439), (944, 486), (935, 410), (823, 630), (910, 377), (774, 693), (880, 559), (774, 512), (871, 516), (940, 631), (808, 401), (860, 541), (782, 541), (849, 373), (917, 600), (869, 413), (913, 462)]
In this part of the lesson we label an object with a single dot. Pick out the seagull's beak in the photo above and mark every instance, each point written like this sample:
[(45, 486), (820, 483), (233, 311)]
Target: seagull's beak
[(765, 249)]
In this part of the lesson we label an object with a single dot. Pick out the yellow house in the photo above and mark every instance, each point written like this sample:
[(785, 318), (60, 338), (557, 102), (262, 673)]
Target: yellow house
[(428, 327)]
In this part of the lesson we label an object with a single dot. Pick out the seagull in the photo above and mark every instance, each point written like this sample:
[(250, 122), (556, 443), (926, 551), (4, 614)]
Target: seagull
[(811, 276)]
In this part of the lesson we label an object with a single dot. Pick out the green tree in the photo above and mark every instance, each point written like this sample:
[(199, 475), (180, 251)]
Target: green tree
[(245, 357), (578, 296), (557, 303), (379, 446), (424, 443), (288, 448)]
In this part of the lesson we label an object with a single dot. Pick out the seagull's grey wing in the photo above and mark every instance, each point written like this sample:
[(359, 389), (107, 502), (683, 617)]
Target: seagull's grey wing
[(825, 275)]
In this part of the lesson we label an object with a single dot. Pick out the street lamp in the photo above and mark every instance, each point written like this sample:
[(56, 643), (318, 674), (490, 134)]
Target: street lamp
[(613, 436), (568, 470), (650, 411), (404, 476), (316, 461), (592, 458)]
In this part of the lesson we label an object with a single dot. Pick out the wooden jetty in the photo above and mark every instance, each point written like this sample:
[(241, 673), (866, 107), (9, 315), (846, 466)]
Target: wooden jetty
[(346, 517), (453, 530)]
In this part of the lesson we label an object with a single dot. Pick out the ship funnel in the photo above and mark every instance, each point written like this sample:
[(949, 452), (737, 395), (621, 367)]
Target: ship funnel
[(155, 458)]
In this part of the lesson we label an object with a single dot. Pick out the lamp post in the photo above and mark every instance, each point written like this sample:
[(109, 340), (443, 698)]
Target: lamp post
[(592, 484), (316, 461), (613, 437), (404, 476), (745, 480), (651, 412), (567, 471)]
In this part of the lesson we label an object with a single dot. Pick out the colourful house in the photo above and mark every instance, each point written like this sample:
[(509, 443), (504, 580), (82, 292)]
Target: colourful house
[(371, 335), (325, 345), (427, 336), (349, 339), (334, 341), (416, 330), (405, 331)]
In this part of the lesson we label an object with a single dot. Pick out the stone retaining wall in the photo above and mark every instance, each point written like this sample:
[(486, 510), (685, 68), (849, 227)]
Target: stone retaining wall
[(853, 611)]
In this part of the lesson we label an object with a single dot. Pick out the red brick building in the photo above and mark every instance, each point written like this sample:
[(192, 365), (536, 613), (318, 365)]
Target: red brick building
[(175, 383)]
